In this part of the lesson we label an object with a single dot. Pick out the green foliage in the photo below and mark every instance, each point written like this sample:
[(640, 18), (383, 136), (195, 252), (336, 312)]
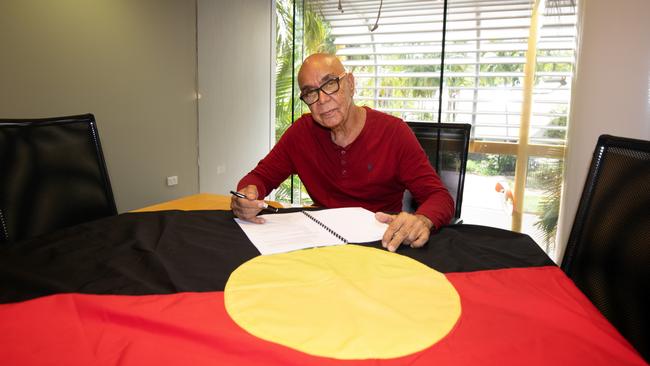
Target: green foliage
[(501, 68), (491, 164), (312, 35), (284, 65), (550, 179), (317, 37), (549, 205), (283, 192)]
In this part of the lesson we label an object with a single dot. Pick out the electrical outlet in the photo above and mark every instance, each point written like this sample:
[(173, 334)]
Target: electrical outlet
[(172, 181)]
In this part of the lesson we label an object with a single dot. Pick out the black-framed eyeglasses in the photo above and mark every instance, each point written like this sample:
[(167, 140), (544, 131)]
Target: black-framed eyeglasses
[(329, 87)]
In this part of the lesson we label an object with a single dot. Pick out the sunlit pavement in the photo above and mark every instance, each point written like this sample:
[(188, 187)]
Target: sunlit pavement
[(483, 205)]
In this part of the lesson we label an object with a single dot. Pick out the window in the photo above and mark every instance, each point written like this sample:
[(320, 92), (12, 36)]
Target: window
[(504, 66)]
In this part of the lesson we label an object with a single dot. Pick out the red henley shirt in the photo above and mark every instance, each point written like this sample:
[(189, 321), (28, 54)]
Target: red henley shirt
[(371, 172)]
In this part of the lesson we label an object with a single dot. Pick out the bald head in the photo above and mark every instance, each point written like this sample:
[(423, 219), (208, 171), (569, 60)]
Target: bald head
[(321, 64), (333, 107)]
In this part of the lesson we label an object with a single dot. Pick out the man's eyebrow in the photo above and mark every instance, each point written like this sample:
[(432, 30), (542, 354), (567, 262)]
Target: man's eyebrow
[(328, 77), (325, 78), (307, 88)]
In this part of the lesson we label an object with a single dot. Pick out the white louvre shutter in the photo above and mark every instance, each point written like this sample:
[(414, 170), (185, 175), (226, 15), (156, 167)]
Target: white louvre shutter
[(397, 67)]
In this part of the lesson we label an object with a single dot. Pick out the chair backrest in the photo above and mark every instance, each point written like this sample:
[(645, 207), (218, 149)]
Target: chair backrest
[(608, 252), (52, 175), (447, 146)]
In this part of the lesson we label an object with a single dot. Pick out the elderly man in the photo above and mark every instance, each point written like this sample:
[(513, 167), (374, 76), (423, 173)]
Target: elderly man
[(347, 155)]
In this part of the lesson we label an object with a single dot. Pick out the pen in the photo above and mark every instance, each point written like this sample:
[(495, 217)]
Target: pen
[(266, 205)]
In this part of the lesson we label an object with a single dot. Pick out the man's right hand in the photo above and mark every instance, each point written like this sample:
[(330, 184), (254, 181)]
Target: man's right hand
[(247, 208)]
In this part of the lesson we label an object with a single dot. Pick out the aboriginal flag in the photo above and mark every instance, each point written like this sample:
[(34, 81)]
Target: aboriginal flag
[(148, 289)]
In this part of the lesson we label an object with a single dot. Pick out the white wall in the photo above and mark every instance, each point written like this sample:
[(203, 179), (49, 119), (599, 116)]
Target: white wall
[(234, 64), (130, 63), (134, 65), (611, 90)]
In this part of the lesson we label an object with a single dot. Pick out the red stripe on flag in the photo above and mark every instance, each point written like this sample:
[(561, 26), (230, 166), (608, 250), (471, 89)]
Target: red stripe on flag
[(531, 316)]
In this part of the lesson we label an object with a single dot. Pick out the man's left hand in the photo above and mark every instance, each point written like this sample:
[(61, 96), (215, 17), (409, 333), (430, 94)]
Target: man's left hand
[(405, 228)]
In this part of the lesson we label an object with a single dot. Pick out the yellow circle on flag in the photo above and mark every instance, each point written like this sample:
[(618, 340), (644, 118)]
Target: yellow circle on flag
[(344, 302)]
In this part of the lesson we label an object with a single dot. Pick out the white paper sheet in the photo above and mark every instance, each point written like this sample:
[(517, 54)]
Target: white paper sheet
[(292, 231)]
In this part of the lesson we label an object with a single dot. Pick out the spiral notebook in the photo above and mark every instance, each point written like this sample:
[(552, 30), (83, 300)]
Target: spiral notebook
[(285, 232)]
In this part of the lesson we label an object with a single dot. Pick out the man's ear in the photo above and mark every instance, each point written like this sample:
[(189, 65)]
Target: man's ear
[(351, 82)]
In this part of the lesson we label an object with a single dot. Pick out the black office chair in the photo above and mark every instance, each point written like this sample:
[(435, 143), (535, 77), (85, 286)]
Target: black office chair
[(447, 146), (52, 175), (608, 252)]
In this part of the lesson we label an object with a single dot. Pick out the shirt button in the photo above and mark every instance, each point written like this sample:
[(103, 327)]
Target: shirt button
[(342, 152), (344, 172)]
